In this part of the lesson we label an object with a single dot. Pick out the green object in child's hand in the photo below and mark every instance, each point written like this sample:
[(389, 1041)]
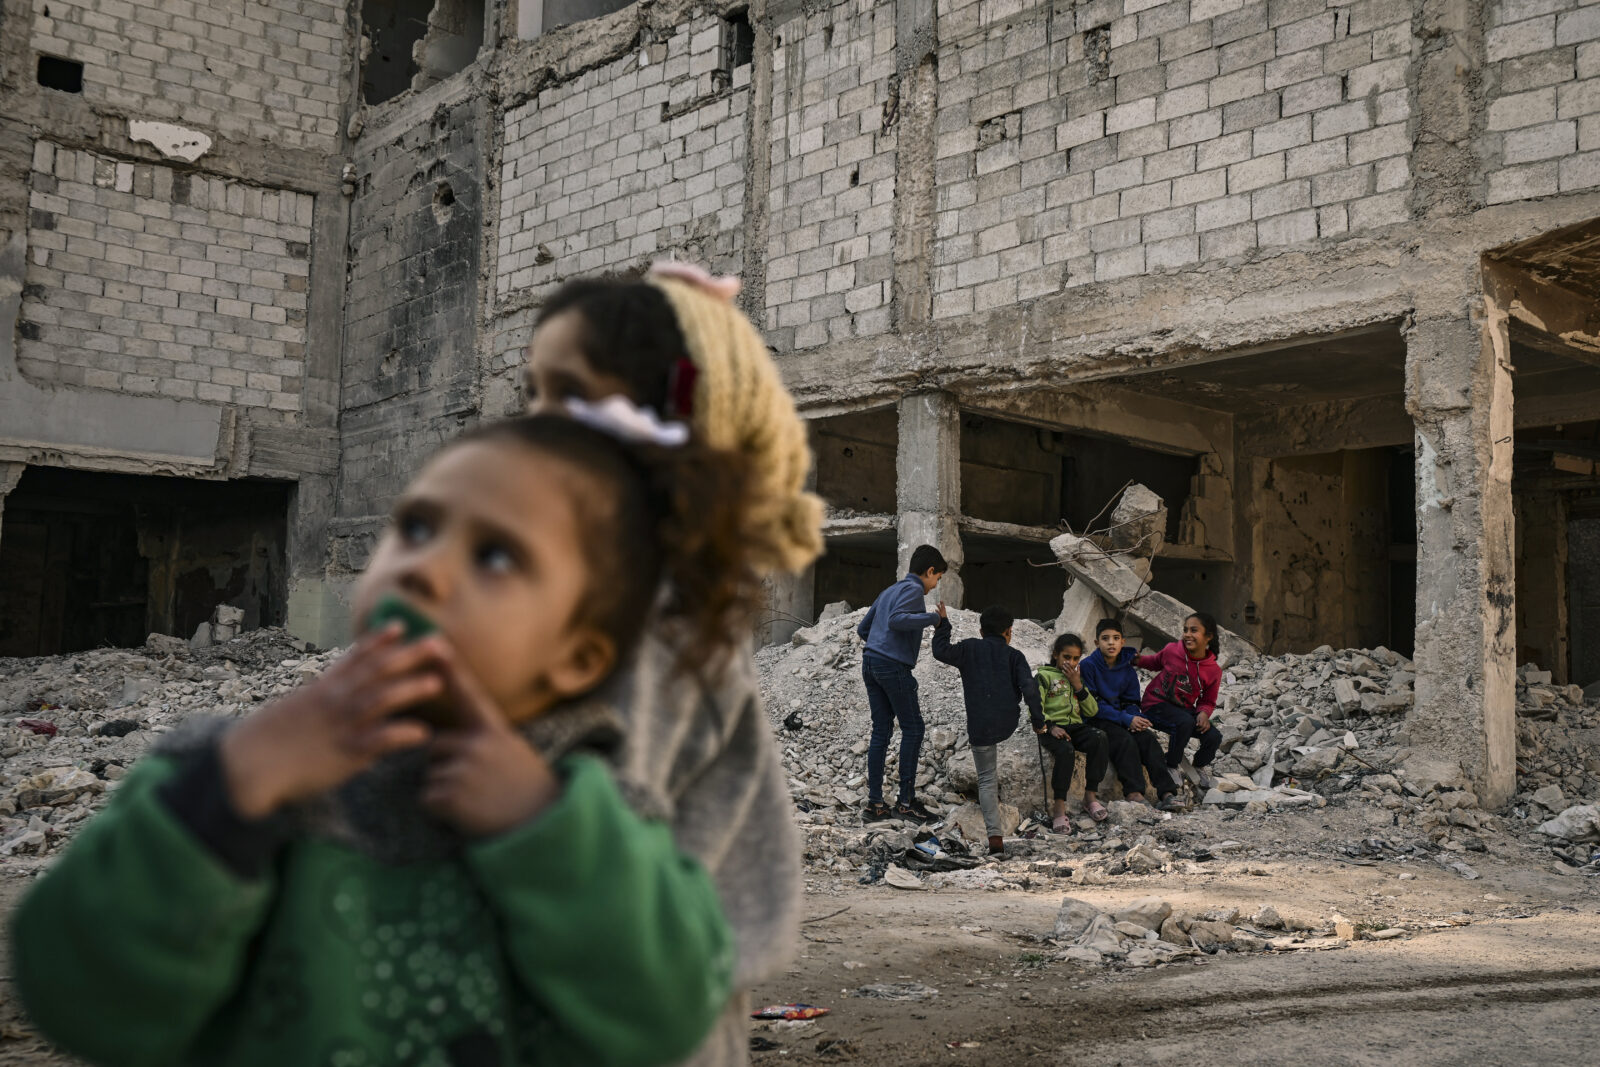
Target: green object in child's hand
[(391, 608)]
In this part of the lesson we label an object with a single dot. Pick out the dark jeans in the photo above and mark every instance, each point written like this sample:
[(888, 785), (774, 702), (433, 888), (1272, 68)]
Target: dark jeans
[(1179, 722), (1133, 753), (892, 696), (1080, 738)]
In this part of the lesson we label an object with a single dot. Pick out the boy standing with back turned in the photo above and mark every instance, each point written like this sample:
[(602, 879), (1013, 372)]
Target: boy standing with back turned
[(994, 678), (892, 630)]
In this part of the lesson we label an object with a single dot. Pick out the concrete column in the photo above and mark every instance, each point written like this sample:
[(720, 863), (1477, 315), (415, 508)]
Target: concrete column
[(928, 484), (10, 475), (791, 604), (1459, 394)]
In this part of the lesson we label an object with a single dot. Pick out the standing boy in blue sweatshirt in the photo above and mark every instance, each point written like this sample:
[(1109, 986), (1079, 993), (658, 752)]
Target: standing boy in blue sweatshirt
[(1111, 674), (994, 678), (892, 630)]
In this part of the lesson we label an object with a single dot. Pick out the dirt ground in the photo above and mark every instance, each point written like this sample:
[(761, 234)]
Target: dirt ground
[(1498, 970)]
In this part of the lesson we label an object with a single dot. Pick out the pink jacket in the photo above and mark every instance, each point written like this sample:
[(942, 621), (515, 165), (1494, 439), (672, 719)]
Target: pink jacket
[(1189, 683)]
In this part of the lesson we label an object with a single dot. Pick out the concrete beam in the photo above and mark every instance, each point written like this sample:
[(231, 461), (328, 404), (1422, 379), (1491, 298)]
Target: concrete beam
[(1459, 392), (928, 484)]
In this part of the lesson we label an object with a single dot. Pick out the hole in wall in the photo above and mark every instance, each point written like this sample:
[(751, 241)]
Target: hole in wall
[(444, 202), (855, 176), (1097, 50), (63, 75), (738, 40)]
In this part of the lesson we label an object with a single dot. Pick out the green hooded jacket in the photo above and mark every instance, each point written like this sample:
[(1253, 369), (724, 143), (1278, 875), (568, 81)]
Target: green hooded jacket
[(1059, 704)]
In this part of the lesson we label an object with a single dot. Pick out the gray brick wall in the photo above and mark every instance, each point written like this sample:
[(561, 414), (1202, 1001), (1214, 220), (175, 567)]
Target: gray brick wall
[(830, 257), (1543, 87), (146, 279), (409, 361), (242, 69), (1111, 138), (629, 162)]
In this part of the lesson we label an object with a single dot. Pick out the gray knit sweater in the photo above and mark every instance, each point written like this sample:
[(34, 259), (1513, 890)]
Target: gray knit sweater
[(700, 753)]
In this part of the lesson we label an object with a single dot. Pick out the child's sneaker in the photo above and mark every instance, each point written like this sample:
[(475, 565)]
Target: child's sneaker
[(877, 811), (913, 810)]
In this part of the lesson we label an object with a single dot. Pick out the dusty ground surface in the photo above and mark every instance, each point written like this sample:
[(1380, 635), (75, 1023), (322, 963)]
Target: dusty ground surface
[(1499, 970)]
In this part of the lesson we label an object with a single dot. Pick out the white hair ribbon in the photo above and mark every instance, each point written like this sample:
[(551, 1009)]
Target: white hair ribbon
[(621, 418)]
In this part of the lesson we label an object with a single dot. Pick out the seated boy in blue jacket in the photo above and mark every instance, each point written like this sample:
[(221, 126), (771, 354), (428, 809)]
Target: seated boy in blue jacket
[(1110, 673), (994, 679)]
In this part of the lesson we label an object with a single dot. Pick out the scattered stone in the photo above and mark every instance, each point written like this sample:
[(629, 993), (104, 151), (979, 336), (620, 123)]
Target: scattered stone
[(1148, 912), (901, 878), (1074, 918)]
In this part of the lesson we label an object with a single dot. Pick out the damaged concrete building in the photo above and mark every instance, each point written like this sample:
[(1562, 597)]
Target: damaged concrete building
[(1321, 274)]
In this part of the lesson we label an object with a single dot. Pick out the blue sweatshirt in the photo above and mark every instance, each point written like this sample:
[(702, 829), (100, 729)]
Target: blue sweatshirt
[(893, 625), (1115, 685)]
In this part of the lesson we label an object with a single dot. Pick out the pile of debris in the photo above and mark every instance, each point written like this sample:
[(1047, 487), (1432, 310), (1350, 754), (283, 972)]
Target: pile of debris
[(72, 724), (1147, 931), (1302, 730)]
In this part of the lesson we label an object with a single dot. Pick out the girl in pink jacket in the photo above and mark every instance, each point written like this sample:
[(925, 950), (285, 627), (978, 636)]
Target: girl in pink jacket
[(1182, 696)]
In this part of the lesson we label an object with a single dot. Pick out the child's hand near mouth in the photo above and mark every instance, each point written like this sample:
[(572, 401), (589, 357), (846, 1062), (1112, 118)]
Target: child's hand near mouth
[(485, 778), (326, 732)]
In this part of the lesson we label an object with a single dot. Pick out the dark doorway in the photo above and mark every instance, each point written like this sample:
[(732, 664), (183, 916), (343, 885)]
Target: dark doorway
[(90, 560)]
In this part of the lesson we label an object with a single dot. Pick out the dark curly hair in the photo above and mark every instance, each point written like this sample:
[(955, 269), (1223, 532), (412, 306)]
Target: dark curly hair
[(629, 332), (660, 516)]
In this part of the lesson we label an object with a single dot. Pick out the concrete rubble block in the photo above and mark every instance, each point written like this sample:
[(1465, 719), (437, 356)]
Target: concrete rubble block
[(1209, 935), (1580, 824), (1550, 797), (1074, 917), (968, 818), (1138, 523), (1156, 614), (1081, 609), (166, 645), (1148, 912)]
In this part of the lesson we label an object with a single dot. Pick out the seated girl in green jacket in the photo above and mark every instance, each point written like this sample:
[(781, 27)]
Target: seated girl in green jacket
[(418, 857)]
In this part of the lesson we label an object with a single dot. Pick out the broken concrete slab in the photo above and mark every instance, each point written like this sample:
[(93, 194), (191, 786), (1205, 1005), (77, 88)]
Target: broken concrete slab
[(1156, 614), (1139, 523), (1081, 609)]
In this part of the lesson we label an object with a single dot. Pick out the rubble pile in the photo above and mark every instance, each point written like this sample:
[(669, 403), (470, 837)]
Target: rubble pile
[(1322, 727), (72, 725), (1148, 931)]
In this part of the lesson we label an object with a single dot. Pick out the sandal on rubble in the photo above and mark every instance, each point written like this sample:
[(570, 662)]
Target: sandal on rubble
[(1061, 825), (1097, 811)]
